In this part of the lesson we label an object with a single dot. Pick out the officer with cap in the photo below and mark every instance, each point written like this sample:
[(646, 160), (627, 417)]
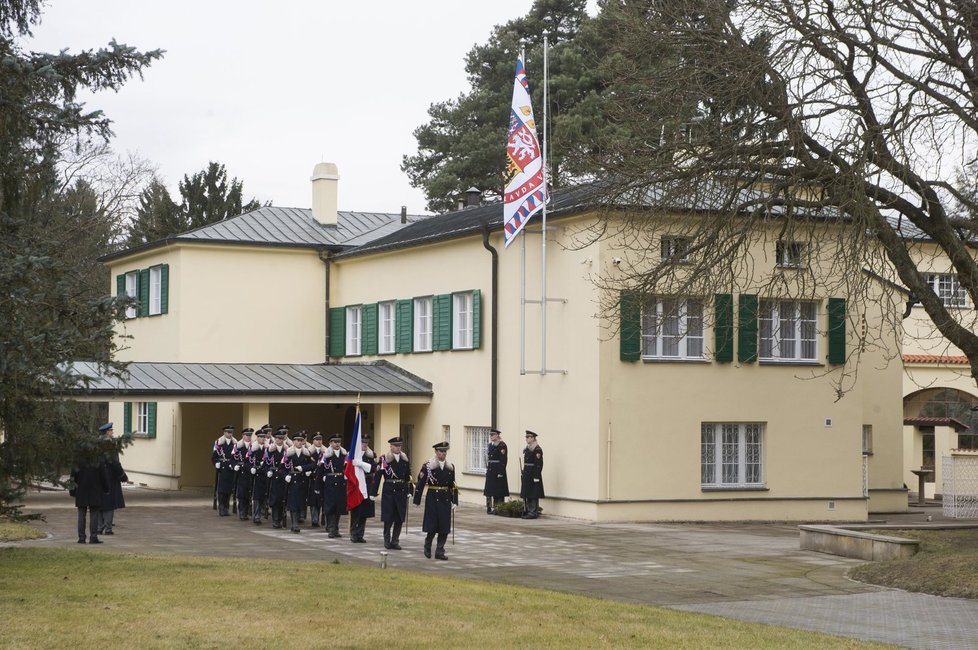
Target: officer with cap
[(497, 484), (314, 491), (113, 499), (395, 470), (275, 472), (222, 459), (298, 468), (366, 509), (255, 462), (330, 475), (442, 498), (242, 478), (531, 483)]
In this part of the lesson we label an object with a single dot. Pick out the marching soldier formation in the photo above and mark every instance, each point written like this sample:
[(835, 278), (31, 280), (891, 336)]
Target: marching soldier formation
[(271, 475)]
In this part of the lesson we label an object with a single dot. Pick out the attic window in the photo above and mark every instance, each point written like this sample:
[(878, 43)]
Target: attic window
[(790, 254), (675, 249)]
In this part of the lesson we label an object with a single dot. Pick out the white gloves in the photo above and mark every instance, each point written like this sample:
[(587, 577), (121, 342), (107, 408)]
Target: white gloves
[(269, 473), (288, 478), (536, 480), (237, 468), (298, 468), (365, 466), (254, 471), (308, 473), (454, 505), (217, 466)]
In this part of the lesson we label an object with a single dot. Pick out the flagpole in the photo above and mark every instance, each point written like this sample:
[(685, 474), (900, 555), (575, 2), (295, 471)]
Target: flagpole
[(543, 234), (522, 283)]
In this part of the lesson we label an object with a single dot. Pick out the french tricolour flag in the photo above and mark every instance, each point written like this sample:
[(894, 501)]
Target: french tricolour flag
[(356, 480)]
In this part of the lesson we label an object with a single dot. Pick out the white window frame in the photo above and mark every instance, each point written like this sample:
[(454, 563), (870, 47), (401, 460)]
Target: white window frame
[(732, 455), (140, 418), (423, 323), (155, 290), (788, 331), (462, 318), (790, 254), (476, 442), (675, 248), (354, 329), (947, 288), (132, 291), (675, 324), (387, 322), (867, 439)]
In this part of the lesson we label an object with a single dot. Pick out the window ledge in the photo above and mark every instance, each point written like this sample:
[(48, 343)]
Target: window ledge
[(735, 488), (673, 360), (774, 362), (144, 436), (474, 472)]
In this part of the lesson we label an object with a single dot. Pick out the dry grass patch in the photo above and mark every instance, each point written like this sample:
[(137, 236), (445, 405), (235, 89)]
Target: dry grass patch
[(81, 599), (945, 565), (15, 532)]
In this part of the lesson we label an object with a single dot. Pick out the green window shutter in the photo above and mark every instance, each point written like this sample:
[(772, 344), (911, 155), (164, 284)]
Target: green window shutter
[(120, 285), (723, 330), (630, 329), (476, 319), (405, 326), (164, 288), (837, 331), (144, 292), (441, 334), (368, 329), (127, 417), (151, 412), (337, 331), (747, 328)]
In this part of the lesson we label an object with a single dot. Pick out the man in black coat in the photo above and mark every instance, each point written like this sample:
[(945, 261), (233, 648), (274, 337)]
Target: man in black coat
[(242, 477), (366, 508), (255, 462), (298, 468), (91, 486), (114, 498), (333, 480), (275, 472), (223, 465), (314, 491), (395, 470), (531, 483), (442, 498), (497, 484)]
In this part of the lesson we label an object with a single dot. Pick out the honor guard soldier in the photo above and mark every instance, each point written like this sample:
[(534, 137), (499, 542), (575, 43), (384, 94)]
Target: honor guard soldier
[(242, 478), (255, 462), (442, 498), (497, 484), (366, 508), (114, 498), (531, 483), (334, 485), (275, 472), (224, 469), (298, 468), (395, 470), (314, 491)]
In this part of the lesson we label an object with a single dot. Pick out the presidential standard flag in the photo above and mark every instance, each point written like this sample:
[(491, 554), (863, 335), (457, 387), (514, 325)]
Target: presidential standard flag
[(525, 192), (356, 481)]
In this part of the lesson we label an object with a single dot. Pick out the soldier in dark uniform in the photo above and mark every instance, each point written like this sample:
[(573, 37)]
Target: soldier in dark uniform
[(395, 470), (221, 457), (366, 508), (334, 485), (497, 483), (442, 498), (255, 462), (298, 468), (242, 479), (275, 472), (114, 498), (314, 490), (531, 482), (91, 485)]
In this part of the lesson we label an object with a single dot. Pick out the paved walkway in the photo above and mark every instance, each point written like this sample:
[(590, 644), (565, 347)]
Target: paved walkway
[(752, 572)]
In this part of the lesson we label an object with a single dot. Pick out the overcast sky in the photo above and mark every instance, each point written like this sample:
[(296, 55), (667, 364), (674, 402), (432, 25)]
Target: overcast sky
[(272, 88)]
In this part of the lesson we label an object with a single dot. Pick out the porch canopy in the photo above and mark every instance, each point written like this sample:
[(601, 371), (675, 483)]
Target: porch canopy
[(376, 382)]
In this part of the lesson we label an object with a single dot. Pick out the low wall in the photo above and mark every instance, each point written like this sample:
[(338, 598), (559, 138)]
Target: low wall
[(855, 544)]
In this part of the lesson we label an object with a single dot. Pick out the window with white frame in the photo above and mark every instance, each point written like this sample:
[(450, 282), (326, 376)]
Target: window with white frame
[(788, 330), (948, 289), (476, 442), (422, 324), (132, 291), (672, 328), (353, 321), (675, 248), (790, 254), (155, 290), (141, 417), (731, 455), (446, 433), (387, 319), (462, 321)]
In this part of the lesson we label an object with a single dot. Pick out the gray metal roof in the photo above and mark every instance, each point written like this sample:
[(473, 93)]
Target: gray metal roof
[(204, 379), (272, 226)]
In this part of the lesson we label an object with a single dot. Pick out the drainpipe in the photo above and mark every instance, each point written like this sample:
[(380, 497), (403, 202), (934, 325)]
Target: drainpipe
[(324, 255), (494, 318)]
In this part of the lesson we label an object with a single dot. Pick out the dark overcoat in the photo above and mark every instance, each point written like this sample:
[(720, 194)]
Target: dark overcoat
[(297, 463), (396, 474), (497, 484), (276, 482), (91, 485), (531, 485), (223, 450), (440, 497), (333, 480), (255, 459), (114, 498)]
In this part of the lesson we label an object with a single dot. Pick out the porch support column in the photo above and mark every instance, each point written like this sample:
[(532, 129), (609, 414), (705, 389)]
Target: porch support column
[(387, 424), (255, 416)]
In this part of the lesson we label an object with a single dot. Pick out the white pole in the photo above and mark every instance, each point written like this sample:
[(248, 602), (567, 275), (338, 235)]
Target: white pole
[(523, 279), (543, 238)]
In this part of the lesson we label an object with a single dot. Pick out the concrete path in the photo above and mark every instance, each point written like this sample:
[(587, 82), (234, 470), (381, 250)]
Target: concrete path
[(752, 572)]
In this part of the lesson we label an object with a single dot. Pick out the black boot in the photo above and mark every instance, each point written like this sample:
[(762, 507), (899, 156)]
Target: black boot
[(440, 548), (396, 536), (276, 518), (294, 517), (427, 545), (387, 534), (489, 508)]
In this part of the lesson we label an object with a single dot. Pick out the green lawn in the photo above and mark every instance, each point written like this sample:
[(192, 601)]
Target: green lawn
[(945, 565), (55, 598), (14, 532)]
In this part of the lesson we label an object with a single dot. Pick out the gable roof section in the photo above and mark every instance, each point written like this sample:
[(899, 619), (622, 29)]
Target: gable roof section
[(287, 227), (378, 378)]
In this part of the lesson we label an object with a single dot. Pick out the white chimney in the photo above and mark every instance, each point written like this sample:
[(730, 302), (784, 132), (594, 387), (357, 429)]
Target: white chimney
[(325, 179)]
